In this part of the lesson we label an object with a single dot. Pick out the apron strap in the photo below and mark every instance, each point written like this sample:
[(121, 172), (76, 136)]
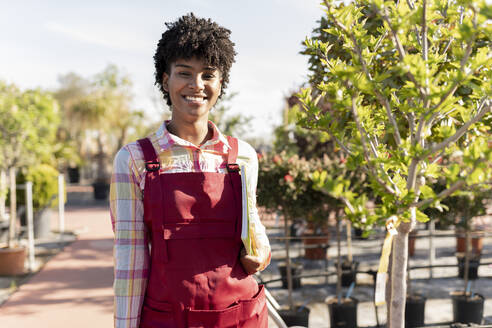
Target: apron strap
[(152, 163), (153, 195), (234, 169)]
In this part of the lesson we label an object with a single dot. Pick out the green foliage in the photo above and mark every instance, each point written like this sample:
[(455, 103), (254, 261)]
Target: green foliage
[(28, 125), (285, 184), (405, 91), (44, 180)]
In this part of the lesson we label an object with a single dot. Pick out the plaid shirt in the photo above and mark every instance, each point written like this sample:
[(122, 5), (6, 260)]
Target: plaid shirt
[(131, 252)]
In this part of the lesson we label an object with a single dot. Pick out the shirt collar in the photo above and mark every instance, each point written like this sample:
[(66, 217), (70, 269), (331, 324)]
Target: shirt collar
[(167, 140)]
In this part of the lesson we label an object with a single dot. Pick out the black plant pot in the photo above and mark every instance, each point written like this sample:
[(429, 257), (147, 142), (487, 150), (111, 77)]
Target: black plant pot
[(467, 309), (414, 311), (343, 315), (296, 317), (472, 267), (101, 190), (349, 273), (73, 174), (296, 270), (359, 233)]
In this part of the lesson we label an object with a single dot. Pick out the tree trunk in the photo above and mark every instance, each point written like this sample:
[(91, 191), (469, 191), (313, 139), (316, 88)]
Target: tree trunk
[(3, 189), (13, 207), (396, 316), (339, 263), (349, 241), (467, 259), (398, 280), (287, 260)]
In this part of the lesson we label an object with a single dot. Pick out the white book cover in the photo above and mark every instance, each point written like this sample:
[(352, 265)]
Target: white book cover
[(245, 233)]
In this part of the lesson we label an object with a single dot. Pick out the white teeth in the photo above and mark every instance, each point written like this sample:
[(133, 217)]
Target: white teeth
[(191, 98)]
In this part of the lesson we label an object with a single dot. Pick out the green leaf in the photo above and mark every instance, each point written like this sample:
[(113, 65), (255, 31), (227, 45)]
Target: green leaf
[(421, 216)]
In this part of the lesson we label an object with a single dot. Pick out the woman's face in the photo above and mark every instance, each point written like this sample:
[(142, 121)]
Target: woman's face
[(193, 88)]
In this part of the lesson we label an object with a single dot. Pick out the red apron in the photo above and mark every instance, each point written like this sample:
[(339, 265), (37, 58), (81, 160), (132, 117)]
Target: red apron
[(196, 278)]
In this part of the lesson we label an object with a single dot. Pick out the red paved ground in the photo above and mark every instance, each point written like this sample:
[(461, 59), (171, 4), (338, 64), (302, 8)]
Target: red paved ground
[(74, 289)]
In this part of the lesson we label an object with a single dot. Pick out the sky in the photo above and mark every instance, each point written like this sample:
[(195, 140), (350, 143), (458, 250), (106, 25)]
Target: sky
[(41, 40)]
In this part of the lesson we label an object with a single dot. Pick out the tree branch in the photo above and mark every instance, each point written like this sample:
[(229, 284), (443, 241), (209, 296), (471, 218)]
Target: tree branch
[(425, 52), (420, 127), (402, 53), (461, 131), (363, 134), (366, 138), (338, 141), (411, 126), (443, 194)]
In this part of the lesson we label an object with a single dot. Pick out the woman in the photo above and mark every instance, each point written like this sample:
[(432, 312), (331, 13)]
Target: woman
[(178, 193)]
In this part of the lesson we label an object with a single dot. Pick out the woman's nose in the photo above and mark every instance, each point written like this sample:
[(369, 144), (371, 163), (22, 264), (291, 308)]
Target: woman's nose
[(196, 82)]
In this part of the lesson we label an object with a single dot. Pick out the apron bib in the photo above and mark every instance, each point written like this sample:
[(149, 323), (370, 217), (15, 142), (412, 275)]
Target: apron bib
[(196, 279)]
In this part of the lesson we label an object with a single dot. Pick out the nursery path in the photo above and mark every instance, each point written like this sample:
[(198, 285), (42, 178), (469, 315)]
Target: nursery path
[(74, 289)]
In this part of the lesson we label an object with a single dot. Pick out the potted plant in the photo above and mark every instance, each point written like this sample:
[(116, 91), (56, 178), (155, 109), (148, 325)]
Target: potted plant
[(414, 304), (28, 124), (285, 186), (12, 256), (45, 196), (348, 200), (343, 311), (316, 235), (467, 305)]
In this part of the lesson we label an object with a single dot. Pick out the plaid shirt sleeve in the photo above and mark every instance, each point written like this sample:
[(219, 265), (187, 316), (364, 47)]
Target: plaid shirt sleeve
[(131, 252)]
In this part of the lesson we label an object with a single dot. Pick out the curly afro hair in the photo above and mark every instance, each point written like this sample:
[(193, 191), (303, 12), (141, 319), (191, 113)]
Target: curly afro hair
[(190, 37)]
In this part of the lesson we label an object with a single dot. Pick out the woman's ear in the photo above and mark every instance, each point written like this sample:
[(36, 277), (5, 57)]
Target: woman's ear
[(165, 80)]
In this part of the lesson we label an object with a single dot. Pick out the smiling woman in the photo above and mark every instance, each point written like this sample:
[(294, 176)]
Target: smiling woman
[(180, 191)]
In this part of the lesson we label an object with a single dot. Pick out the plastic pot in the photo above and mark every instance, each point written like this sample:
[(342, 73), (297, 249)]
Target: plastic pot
[(476, 244), (101, 190), (299, 316), (317, 247), (73, 174), (344, 314), (414, 311), (12, 261), (349, 273), (41, 222), (295, 269), (411, 243), (359, 234), (467, 308), (473, 265)]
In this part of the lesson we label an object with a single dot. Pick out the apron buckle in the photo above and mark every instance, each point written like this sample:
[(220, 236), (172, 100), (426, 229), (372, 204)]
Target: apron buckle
[(232, 168), (152, 166)]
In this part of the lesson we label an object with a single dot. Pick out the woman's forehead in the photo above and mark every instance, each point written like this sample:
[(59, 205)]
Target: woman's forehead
[(194, 63)]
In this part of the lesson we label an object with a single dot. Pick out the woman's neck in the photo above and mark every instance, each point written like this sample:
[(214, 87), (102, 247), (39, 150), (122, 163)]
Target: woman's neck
[(197, 132)]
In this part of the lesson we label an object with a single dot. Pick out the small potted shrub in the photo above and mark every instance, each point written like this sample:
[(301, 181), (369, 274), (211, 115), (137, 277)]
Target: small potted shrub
[(285, 186), (44, 180), (467, 305), (12, 255)]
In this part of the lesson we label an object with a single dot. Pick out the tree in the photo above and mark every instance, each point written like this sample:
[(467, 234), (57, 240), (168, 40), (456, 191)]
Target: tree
[(28, 124), (97, 114), (396, 85)]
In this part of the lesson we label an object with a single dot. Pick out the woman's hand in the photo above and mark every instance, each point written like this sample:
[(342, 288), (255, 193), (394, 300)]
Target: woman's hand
[(250, 263)]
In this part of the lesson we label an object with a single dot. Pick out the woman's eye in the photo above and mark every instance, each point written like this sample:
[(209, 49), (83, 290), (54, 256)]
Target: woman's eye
[(184, 74), (208, 76)]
